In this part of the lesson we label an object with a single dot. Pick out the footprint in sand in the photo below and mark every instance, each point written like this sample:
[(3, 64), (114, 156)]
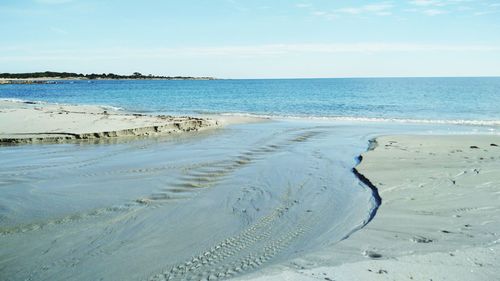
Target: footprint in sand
[(372, 254), (421, 239)]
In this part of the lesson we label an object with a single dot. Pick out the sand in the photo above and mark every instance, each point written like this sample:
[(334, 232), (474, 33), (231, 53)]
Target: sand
[(281, 198), (28, 122), (439, 218), (213, 204)]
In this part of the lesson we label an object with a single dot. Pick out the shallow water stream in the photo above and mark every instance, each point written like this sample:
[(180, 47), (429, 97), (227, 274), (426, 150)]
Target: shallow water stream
[(210, 206)]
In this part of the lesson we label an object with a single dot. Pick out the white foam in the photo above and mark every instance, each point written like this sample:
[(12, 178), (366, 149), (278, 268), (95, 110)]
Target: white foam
[(109, 107), (20, 100), (373, 119), (105, 107), (316, 118)]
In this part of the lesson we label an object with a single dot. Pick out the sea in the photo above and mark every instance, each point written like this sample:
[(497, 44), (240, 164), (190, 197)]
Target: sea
[(453, 100), (218, 203)]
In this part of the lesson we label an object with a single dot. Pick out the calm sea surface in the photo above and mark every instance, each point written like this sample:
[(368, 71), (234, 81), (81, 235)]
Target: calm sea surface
[(404, 98)]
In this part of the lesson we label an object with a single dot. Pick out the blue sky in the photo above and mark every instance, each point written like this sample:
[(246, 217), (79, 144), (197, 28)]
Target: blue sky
[(253, 39)]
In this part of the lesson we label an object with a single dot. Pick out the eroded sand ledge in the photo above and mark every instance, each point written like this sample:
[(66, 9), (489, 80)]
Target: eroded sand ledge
[(29, 122), (439, 220)]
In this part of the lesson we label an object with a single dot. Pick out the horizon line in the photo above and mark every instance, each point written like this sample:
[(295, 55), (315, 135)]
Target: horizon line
[(266, 78)]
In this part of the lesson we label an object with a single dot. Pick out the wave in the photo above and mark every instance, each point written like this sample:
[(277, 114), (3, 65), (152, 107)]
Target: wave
[(369, 119), (471, 122), (109, 107), (103, 106), (19, 100)]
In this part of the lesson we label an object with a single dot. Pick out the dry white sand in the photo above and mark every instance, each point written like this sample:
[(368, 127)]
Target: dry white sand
[(25, 122), (439, 219)]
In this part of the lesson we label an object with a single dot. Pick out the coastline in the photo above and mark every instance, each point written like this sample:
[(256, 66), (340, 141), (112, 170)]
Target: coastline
[(33, 122), (438, 220), (56, 80), (410, 238)]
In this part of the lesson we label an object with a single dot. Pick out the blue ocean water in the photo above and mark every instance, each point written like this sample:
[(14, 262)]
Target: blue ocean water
[(402, 98)]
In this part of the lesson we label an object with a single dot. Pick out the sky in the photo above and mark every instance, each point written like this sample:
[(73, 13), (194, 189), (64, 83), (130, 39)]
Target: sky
[(253, 39)]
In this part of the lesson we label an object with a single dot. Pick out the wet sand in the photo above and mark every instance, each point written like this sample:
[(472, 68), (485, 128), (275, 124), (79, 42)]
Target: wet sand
[(260, 200), (439, 218), (216, 204)]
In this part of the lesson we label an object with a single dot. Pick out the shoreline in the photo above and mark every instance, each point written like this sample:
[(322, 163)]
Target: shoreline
[(397, 120), (243, 117), (35, 122), (439, 219), (56, 80)]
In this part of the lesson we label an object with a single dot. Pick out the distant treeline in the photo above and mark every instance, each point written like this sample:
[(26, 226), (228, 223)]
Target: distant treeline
[(68, 75)]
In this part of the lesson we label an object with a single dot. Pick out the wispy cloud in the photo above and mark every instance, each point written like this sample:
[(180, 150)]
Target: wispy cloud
[(372, 8), (465, 7), (378, 9), (424, 7), (427, 3), (486, 13), (248, 51), (434, 12), (440, 3)]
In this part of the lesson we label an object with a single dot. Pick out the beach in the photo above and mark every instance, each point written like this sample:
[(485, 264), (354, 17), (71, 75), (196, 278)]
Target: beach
[(82, 211), (28, 122), (439, 218), (250, 140), (283, 199)]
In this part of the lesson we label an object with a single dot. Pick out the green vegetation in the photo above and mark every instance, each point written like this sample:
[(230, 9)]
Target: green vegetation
[(69, 75)]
